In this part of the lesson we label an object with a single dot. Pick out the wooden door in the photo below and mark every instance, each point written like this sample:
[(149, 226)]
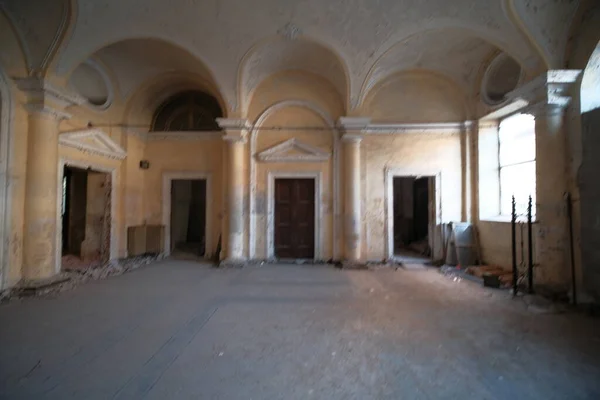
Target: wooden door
[(294, 218)]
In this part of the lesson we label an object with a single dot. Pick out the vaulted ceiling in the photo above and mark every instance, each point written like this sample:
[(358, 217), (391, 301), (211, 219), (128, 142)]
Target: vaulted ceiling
[(233, 45)]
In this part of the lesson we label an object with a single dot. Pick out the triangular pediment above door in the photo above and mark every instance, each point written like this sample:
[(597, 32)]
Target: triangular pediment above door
[(293, 150), (93, 141)]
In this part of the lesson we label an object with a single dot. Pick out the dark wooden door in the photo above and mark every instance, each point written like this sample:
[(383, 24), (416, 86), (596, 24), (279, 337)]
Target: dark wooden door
[(294, 218)]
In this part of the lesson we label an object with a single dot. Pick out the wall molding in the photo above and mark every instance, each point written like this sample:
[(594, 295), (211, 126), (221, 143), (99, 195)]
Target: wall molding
[(167, 181), (319, 211), (93, 141), (412, 128), (180, 136), (280, 152)]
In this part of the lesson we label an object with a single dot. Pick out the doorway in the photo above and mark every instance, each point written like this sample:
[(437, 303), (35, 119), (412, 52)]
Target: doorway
[(294, 227), (188, 217), (411, 216), (86, 218)]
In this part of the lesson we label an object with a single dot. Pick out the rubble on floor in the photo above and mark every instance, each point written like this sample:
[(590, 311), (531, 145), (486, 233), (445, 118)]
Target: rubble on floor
[(73, 277)]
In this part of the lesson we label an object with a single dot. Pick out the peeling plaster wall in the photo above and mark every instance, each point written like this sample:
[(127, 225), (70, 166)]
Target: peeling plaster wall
[(200, 156), (409, 154), (290, 117)]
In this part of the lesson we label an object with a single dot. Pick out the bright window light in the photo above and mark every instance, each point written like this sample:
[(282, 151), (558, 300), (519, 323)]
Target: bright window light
[(516, 138)]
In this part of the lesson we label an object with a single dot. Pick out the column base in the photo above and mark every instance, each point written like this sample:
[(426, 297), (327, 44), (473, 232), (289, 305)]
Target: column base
[(353, 265), (233, 263)]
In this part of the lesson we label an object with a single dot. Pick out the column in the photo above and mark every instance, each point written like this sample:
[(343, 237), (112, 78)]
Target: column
[(236, 132), (352, 129), (45, 106), (551, 187), (547, 97)]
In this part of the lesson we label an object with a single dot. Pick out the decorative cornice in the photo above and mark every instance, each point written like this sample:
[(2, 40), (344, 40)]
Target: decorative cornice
[(234, 124), (353, 124), (236, 129), (395, 129), (40, 91), (204, 135), (93, 141), (548, 93), (279, 153), (43, 109)]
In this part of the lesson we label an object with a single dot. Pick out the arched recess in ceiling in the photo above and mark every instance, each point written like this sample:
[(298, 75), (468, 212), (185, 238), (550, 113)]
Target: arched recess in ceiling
[(41, 27), (278, 54), (455, 53), (416, 96), (135, 63), (156, 90)]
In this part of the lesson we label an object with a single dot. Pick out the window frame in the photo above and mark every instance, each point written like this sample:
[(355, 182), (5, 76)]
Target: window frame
[(508, 214)]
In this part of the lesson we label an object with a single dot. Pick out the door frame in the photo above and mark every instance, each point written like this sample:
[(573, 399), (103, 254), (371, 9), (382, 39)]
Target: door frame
[(273, 175), (435, 199), (114, 242), (168, 178)]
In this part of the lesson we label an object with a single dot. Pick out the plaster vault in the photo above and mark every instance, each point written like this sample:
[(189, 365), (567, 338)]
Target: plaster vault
[(348, 94)]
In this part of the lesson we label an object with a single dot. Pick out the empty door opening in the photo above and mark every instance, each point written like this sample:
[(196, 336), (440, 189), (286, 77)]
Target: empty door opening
[(86, 218), (412, 215), (188, 217), (294, 218)]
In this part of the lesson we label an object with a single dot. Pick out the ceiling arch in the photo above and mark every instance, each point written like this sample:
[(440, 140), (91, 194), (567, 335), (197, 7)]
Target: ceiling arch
[(41, 27), (134, 61), (279, 54), (453, 52), (416, 96)]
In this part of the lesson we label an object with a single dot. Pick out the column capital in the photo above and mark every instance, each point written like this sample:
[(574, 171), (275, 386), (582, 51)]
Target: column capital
[(549, 92), (236, 129), (46, 98), (353, 128)]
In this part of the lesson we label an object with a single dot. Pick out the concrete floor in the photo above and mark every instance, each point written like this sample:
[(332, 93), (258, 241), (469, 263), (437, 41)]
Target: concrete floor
[(178, 330)]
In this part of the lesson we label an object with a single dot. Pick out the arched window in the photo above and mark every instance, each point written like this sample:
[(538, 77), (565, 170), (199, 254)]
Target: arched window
[(188, 111)]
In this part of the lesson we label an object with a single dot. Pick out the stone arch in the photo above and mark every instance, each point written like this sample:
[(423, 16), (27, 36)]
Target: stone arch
[(277, 54), (6, 138), (330, 123)]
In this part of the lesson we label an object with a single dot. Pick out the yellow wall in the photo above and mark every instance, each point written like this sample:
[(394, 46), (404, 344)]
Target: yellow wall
[(409, 155), (171, 156), (323, 139)]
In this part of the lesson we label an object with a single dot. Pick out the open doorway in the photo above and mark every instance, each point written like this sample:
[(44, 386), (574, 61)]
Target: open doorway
[(86, 205), (188, 217), (411, 217)]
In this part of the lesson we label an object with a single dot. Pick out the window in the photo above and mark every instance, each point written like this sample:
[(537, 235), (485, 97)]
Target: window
[(516, 139), (188, 111)]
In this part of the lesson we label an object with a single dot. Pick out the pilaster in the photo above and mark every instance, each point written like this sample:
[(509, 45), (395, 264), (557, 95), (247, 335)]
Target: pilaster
[(352, 130), (46, 105), (548, 97)]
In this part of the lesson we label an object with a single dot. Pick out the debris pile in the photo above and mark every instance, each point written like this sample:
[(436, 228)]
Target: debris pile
[(73, 277)]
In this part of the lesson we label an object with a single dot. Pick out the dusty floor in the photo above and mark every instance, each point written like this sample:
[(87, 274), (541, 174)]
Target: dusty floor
[(178, 330)]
